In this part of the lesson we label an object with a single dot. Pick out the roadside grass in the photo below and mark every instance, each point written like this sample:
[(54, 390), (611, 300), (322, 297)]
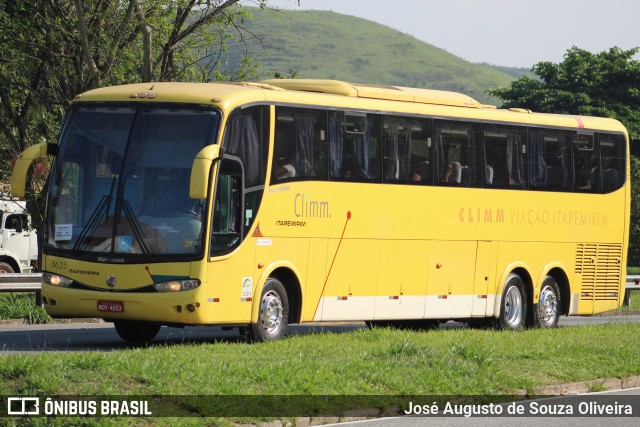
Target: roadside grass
[(633, 270), (381, 361), (21, 305)]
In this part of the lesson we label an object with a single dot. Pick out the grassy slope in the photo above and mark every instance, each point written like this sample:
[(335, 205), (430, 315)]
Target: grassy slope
[(321, 44)]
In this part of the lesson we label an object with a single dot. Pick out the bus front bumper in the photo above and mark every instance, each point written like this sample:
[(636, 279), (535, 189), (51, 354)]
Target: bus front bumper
[(185, 307)]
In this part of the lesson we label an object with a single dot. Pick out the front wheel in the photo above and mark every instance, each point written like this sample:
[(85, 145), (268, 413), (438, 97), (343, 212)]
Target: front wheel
[(513, 307), (273, 317), (136, 332), (5, 268), (547, 312)]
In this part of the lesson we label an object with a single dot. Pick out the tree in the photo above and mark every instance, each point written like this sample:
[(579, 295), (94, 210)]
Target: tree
[(605, 84), (55, 49), (52, 50)]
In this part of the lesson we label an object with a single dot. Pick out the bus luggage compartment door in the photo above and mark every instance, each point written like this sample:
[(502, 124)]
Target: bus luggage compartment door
[(450, 284)]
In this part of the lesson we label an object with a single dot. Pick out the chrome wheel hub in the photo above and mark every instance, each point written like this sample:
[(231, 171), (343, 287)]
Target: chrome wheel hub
[(548, 306), (513, 307), (271, 312)]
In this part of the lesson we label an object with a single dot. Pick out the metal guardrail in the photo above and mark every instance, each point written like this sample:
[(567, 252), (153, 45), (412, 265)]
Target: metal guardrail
[(22, 282), (30, 282)]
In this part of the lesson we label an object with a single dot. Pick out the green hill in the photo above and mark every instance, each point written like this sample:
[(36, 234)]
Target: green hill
[(322, 44)]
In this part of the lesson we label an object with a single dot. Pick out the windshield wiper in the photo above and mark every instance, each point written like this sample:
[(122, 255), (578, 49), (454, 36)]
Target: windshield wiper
[(95, 218), (135, 227), (102, 210)]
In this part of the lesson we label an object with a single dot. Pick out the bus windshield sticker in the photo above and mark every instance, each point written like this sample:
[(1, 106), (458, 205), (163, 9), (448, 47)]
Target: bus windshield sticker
[(247, 287), (125, 243), (63, 232)]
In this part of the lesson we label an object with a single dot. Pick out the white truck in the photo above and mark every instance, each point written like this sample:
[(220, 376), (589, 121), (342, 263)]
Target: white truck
[(18, 240)]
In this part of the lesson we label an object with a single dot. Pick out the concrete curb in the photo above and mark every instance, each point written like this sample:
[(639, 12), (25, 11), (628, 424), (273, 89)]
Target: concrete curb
[(582, 387)]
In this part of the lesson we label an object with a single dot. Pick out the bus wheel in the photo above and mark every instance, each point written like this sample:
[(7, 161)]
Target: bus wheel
[(547, 312), (274, 313), (137, 332), (513, 307)]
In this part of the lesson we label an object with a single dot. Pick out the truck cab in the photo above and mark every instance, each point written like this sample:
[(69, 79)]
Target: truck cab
[(18, 240)]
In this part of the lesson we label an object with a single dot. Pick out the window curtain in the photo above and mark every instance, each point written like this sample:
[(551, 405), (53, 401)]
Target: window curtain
[(303, 129), (335, 148), (405, 153), (361, 149), (537, 167), (241, 139), (392, 167), (471, 159), (514, 158), (565, 162), (438, 155)]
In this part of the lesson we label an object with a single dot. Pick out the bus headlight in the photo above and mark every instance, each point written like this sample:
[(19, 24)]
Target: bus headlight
[(177, 285), (56, 280)]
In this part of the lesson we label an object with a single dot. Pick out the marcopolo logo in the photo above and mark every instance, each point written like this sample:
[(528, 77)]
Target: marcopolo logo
[(23, 406)]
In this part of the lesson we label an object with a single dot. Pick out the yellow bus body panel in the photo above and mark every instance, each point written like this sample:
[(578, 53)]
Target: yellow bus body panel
[(375, 251)]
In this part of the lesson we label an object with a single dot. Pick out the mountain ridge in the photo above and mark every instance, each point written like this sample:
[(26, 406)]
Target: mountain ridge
[(329, 45)]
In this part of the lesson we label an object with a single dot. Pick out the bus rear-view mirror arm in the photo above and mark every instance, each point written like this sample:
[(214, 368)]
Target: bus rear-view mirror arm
[(199, 183), (20, 169)]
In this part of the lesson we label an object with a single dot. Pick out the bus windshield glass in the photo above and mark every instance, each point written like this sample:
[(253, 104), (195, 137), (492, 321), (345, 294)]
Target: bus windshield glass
[(120, 184)]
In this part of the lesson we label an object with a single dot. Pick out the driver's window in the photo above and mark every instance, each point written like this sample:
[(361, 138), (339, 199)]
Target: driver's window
[(226, 229)]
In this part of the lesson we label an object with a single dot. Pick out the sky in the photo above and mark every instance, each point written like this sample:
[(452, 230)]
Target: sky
[(515, 33)]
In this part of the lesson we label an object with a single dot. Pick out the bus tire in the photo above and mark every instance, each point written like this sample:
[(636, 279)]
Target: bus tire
[(5, 268), (137, 332), (273, 317), (513, 306), (546, 312)]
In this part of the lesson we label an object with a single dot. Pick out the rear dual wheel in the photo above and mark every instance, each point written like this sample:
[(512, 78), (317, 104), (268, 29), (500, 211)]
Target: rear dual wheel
[(513, 308), (546, 312)]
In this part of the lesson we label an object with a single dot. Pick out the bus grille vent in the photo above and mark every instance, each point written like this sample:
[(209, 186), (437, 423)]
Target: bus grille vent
[(600, 268)]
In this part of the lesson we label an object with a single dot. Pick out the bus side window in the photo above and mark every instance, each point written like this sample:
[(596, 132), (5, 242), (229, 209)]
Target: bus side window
[(612, 161), (504, 164), (407, 150), (549, 160), (354, 147), (585, 161), (300, 145), (456, 154), (227, 226)]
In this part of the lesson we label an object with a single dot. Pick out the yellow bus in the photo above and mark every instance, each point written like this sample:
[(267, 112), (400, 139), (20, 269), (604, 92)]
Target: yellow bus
[(259, 205)]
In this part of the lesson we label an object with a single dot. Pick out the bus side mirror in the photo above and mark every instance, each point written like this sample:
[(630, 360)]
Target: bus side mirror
[(20, 169), (199, 182)]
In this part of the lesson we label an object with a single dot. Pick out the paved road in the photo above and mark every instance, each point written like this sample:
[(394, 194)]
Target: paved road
[(103, 337)]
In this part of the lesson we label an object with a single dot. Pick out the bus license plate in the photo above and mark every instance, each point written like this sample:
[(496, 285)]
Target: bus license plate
[(111, 306)]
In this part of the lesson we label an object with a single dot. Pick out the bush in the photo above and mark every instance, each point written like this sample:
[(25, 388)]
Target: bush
[(22, 306)]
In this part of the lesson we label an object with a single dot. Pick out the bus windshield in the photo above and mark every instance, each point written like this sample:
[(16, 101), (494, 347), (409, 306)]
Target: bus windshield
[(120, 184)]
